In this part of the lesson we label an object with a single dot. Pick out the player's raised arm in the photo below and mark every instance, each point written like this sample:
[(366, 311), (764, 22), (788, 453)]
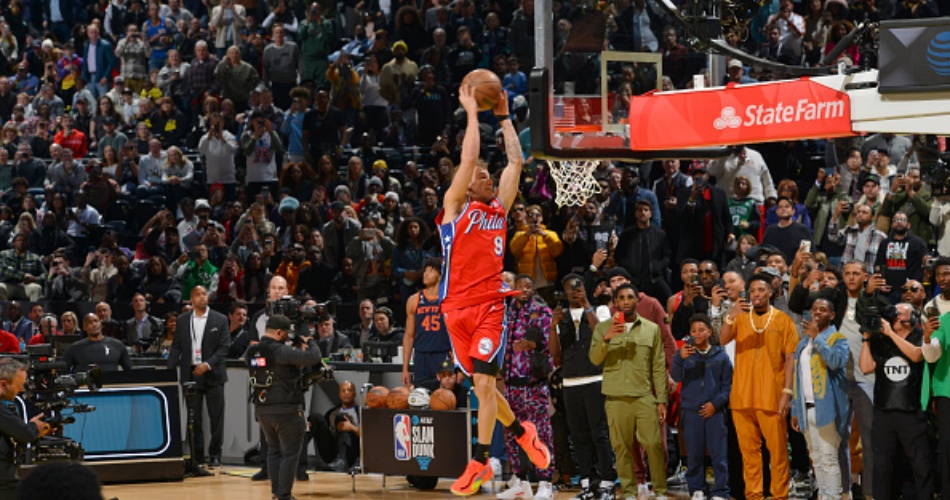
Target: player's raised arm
[(511, 175), (457, 193)]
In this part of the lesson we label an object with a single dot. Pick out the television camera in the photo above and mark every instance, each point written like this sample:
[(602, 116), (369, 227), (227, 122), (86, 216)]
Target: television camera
[(297, 312), (300, 316), (50, 391)]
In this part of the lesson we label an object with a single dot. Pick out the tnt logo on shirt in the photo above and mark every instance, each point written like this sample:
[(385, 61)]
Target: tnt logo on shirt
[(897, 254), (896, 369)]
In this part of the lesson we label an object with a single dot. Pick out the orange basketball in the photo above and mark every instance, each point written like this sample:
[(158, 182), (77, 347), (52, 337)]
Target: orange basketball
[(487, 87), (442, 399), (376, 397), (398, 398)]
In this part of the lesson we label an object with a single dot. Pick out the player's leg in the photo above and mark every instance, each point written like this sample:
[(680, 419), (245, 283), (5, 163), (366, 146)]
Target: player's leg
[(461, 326)]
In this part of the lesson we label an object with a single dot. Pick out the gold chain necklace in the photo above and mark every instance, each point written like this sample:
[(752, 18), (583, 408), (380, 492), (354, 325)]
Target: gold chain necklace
[(752, 323)]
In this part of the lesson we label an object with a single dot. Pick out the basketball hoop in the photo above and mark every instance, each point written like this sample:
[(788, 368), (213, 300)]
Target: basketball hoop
[(574, 180)]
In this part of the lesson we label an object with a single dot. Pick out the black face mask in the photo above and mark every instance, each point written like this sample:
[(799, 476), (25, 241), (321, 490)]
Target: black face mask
[(900, 231)]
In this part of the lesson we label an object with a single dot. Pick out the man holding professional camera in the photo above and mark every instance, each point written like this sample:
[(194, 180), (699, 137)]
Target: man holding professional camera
[(275, 370), (12, 427), (892, 351)]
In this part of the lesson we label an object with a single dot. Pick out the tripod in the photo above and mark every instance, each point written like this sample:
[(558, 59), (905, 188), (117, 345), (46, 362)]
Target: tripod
[(192, 468)]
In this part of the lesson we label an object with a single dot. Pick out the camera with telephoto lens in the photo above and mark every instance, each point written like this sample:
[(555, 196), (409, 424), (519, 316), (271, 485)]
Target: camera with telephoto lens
[(50, 391), (296, 311), (871, 320)]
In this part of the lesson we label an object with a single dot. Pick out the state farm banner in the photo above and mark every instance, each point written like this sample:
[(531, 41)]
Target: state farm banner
[(767, 112)]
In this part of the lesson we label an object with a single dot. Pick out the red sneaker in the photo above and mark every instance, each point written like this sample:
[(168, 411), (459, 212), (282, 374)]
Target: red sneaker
[(471, 480), (537, 452)]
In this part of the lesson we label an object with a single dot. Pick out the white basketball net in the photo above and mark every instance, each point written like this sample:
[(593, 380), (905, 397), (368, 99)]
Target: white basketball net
[(574, 180)]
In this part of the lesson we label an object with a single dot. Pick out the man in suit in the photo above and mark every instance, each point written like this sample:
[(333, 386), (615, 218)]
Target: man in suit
[(201, 344), (142, 325), (98, 61), (16, 324), (695, 205)]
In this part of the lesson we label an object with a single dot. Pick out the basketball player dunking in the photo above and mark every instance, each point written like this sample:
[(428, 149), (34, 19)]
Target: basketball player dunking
[(472, 225)]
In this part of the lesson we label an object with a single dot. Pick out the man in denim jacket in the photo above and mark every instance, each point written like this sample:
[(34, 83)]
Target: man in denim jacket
[(820, 407)]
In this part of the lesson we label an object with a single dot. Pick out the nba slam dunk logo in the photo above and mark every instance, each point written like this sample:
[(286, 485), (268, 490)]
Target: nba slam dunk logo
[(414, 438)]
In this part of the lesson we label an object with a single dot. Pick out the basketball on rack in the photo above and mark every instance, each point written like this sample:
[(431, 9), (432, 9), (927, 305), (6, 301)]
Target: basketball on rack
[(398, 398), (487, 87), (442, 399), (376, 397)]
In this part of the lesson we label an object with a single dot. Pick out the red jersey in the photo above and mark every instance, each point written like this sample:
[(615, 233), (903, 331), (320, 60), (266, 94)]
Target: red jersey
[(473, 250)]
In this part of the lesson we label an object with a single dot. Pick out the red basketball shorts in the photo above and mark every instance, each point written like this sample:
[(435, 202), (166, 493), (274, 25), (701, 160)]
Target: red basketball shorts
[(477, 333)]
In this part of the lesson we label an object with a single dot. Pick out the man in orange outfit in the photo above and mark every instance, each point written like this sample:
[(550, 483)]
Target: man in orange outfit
[(761, 397)]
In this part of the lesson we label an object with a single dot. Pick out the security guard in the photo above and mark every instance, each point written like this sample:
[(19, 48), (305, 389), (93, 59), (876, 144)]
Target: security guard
[(278, 398)]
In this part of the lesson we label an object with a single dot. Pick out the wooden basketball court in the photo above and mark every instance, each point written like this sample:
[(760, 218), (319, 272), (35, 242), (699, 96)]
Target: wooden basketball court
[(322, 485)]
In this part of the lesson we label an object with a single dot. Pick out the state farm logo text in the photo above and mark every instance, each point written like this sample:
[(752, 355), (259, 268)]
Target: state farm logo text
[(757, 114)]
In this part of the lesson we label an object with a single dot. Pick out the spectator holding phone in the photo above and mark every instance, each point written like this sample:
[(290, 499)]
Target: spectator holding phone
[(260, 144), (98, 278), (194, 269), (369, 251)]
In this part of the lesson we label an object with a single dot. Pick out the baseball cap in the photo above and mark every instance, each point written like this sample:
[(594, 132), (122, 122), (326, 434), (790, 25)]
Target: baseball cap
[(392, 195), (448, 365), (288, 204), (771, 271), (202, 203), (402, 44), (376, 181), (380, 165), (278, 322), (735, 63), (337, 205), (519, 102), (872, 178)]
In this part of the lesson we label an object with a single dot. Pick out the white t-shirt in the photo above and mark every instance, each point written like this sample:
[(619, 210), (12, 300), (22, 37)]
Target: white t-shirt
[(261, 166)]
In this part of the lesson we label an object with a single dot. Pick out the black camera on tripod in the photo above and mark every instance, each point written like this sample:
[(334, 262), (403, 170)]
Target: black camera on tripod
[(50, 391)]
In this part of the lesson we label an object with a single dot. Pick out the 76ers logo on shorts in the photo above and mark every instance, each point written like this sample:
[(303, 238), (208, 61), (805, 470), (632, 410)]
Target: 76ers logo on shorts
[(485, 346), (402, 434)]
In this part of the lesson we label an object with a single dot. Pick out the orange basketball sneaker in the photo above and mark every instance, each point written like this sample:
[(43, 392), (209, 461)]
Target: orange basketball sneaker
[(471, 480), (537, 452)]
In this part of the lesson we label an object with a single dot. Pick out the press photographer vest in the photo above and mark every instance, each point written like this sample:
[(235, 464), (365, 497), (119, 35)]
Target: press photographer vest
[(272, 383)]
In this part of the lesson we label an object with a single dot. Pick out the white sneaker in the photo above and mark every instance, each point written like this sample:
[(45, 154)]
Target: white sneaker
[(643, 491), (698, 495), (545, 491), (495, 467), (516, 489)]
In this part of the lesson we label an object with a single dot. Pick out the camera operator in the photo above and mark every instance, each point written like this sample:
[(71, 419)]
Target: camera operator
[(96, 349), (12, 427), (279, 405), (892, 350), (276, 290)]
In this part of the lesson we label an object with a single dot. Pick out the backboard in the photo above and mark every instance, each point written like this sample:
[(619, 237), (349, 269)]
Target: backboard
[(579, 91)]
